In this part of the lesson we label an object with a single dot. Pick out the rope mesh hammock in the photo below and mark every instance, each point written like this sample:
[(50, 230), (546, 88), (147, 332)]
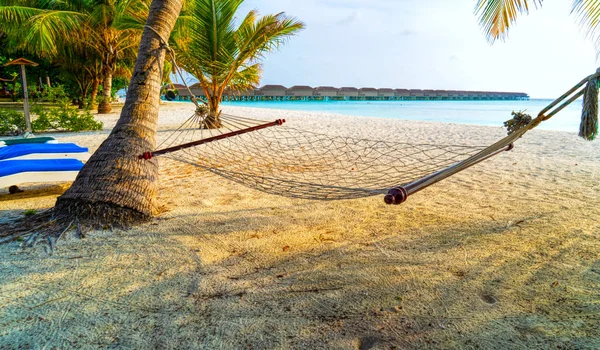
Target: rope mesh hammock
[(274, 158), (297, 163), (287, 161)]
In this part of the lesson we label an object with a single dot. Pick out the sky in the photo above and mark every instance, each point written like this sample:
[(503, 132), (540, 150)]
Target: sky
[(426, 44)]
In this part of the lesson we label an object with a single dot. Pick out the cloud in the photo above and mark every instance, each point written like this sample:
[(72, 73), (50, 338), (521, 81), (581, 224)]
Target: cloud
[(352, 18), (407, 32)]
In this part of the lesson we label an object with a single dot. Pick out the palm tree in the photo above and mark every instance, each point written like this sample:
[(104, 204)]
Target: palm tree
[(497, 16), (223, 54), (115, 187), (49, 28)]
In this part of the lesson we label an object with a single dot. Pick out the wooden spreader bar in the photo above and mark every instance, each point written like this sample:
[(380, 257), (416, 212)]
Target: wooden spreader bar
[(398, 195), (150, 155)]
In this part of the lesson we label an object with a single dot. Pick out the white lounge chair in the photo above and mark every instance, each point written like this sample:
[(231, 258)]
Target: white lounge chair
[(43, 151), (16, 172)]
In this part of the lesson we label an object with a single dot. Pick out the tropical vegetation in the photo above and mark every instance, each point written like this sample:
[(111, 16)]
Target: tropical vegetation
[(89, 39), (224, 54), (497, 16), (91, 42)]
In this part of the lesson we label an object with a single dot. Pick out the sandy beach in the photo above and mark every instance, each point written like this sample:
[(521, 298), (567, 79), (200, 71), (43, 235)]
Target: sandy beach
[(502, 255)]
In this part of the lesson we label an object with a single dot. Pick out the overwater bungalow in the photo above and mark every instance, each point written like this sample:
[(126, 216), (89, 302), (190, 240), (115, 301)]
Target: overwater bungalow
[(239, 95), (385, 93), (475, 95), (368, 93), (429, 94), (326, 92), (197, 90), (402, 94), (453, 94), (441, 94), (300, 92), (183, 94), (348, 92), (270, 92), (416, 93)]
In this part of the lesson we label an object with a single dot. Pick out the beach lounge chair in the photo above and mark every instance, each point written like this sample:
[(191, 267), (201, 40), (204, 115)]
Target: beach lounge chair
[(43, 151), (15, 172), (18, 141)]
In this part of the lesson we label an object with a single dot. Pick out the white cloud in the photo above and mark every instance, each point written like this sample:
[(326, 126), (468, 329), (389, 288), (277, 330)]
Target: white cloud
[(402, 43)]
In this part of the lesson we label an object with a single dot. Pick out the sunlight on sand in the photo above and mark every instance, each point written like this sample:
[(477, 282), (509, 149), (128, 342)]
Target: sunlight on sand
[(504, 255)]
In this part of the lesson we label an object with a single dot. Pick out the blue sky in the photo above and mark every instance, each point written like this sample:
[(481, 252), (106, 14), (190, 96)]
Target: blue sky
[(426, 44)]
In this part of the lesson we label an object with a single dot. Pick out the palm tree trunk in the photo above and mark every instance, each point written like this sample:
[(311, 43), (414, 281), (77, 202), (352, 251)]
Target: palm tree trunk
[(115, 187), (104, 106), (94, 93), (213, 120)]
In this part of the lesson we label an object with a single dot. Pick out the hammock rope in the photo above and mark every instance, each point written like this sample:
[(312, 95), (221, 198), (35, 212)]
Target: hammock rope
[(279, 159)]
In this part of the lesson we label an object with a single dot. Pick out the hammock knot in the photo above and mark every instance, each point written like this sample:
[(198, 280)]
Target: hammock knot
[(518, 122), (589, 116)]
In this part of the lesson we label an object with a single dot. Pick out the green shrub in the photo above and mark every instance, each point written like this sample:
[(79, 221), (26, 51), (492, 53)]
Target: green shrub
[(64, 117), (11, 122)]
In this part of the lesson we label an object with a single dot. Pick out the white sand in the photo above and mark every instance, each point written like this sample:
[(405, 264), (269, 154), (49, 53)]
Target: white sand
[(503, 255)]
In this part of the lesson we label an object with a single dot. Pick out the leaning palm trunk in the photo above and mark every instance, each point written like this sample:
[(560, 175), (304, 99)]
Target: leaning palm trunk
[(115, 187), (104, 106)]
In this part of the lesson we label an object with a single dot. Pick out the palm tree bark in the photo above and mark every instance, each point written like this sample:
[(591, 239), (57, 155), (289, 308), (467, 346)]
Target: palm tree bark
[(213, 119), (104, 106), (94, 93), (115, 187)]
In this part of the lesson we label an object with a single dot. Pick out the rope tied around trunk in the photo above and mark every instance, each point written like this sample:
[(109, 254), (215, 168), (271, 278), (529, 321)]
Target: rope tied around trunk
[(589, 116), (200, 107)]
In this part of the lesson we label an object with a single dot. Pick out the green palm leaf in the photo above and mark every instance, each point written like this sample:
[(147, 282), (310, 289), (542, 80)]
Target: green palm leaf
[(497, 16), (588, 15), (222, 53)]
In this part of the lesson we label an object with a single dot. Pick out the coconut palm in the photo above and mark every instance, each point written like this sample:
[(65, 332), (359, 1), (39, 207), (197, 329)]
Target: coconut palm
[(115, 187), (50, 28), (497, 16), (223, 53)]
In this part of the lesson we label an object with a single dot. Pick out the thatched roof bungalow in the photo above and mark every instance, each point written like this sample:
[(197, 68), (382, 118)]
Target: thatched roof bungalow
[(402, 93), (429, 93), (182, 91), (367, 92), (385, 92), (348, 92), (272, 91), (197, 90), (247, 92), (416, 93), (300, 91), (326, 91)]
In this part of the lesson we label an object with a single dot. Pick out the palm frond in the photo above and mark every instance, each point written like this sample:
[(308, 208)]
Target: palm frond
[(497, 16), (246, 78), (16, 16), (45, 31), (588, 15)]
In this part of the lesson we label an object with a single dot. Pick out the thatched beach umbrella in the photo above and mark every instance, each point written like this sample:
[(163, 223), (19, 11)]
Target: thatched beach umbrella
[(22, 62)]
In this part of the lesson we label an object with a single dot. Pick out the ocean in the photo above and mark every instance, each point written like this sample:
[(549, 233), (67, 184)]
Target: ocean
[(491, 113)]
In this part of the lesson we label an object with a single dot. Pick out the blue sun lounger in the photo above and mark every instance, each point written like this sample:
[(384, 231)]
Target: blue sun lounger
[(43, 151), (14, 172)]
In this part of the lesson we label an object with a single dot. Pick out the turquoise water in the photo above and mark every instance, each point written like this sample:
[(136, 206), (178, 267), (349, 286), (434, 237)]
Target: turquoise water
[(492, 113)]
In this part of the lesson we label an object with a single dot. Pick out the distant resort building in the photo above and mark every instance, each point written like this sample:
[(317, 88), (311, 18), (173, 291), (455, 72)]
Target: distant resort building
[(330, 93)]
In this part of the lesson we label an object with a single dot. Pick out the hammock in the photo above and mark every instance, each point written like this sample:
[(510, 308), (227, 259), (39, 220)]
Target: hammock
[(272, 157)]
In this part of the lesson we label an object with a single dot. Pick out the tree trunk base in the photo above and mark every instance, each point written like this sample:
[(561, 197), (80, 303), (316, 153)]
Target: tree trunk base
[(212, 123), (104, 107), (97, 215)]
